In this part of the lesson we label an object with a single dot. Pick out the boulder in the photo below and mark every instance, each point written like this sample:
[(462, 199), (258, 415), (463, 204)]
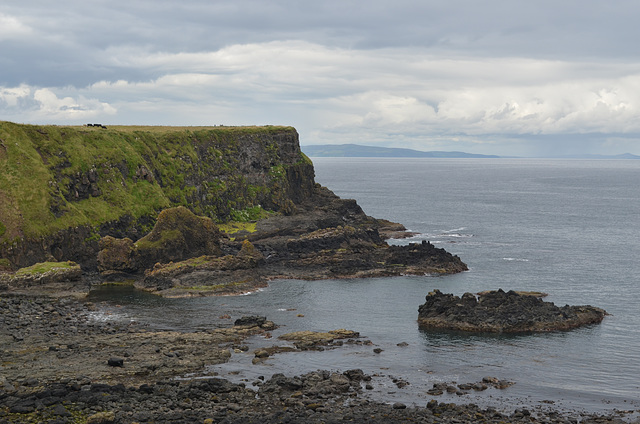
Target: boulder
[(177, 235), (116, 255), (502, 312)]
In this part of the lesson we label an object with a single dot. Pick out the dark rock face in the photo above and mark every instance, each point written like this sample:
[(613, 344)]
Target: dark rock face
[(250, 321), (502, 312)]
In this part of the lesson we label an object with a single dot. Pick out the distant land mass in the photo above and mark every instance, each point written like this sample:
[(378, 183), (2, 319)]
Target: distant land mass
[(622, 156), (358, 151)]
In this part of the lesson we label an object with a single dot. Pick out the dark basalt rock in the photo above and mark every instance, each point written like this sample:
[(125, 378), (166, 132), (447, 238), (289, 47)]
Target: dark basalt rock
[(502, 312), (252, 321), (115, 362)]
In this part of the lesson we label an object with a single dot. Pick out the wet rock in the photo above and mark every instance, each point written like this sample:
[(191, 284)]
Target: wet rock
[(261, 354), (115, 362), (250, 321), (499, 311), (305, 340)]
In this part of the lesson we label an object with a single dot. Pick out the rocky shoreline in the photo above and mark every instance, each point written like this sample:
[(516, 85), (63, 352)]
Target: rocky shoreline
[(187, 255), (60, 363)]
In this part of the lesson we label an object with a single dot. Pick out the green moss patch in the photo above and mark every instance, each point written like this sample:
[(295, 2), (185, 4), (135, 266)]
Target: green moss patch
[(233, 227), (44, 267)]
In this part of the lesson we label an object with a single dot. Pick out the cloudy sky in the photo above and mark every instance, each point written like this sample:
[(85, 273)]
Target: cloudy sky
[(503, 77)]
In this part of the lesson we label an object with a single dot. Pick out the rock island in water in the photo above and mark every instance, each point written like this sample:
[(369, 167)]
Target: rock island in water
[(502, 312)]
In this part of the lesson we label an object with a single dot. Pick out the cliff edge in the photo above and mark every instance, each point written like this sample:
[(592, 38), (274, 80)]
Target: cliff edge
[(63, 188), (171, 206)]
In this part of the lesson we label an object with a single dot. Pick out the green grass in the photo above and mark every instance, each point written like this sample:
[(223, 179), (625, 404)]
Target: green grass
[(39, 164), (254, 213), (43, 267), (233, 227)]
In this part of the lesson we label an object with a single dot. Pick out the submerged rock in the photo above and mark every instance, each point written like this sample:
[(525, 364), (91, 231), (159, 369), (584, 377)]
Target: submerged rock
[(305, 340), (502, 312)]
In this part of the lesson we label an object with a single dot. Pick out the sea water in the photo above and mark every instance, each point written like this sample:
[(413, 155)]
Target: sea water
[(569, 228)]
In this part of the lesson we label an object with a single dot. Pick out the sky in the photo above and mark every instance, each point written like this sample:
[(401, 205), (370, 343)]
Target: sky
[(505, 77)]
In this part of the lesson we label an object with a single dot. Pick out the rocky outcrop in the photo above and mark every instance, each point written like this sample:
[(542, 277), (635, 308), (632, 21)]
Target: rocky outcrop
[(208, 275), (335, 252), (306, 340), (502, 312), (41, 274), (177, 235)]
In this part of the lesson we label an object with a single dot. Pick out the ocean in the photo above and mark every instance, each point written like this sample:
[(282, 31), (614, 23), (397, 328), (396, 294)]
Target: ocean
[(569, 228)]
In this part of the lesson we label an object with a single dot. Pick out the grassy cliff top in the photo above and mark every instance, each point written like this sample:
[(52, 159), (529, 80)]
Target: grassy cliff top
[(55, 177), (159, 129)]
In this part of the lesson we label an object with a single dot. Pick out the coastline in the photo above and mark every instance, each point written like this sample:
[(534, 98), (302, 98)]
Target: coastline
[(55, 366)]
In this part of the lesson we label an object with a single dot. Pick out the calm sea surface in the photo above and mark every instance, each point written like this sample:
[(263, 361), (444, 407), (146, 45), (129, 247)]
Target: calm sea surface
[(570, 228)]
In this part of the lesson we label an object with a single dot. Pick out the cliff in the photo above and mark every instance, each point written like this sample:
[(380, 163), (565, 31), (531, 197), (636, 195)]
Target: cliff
[(64, 188), (183, 211)]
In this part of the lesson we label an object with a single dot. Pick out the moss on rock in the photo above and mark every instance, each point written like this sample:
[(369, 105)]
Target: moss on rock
[(117, 254), (178, 235), (41, 274)]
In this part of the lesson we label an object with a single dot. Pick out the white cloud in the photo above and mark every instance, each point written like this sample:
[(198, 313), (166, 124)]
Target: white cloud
[(11, 96), (403, 96), (12, 28), (42, 104), (69, 108)]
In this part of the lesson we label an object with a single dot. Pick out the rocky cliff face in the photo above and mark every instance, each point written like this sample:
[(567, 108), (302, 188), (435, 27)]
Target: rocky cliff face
[(149, 203), (64, 188)]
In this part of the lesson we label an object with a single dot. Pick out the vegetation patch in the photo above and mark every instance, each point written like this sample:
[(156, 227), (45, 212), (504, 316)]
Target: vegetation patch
[(233, 227), (5, 264), (43, 267), (254, 213)]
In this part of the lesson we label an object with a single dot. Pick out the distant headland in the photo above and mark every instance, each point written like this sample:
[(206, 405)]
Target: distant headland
[(360, 151)]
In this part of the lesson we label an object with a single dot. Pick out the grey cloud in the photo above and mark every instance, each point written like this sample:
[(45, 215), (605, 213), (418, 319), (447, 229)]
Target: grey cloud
[(77, 32), (468, 73)]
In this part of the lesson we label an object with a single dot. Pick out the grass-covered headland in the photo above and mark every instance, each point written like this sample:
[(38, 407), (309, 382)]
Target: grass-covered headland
[(71, 185)]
